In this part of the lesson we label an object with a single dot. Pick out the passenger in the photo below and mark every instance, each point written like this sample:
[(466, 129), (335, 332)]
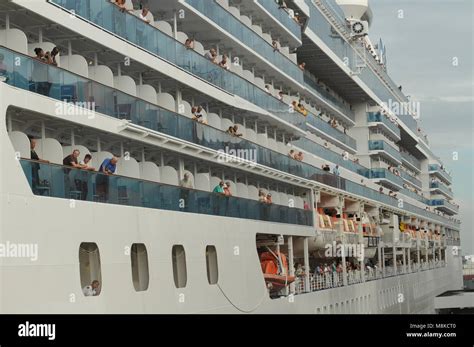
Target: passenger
[(197, 114), (121, 5), (262, 197), (282, 4), (82, 180), (335, 171), (107, 168), (234, 131), (224, 62), (326, 168), (297, 18), (48, 58), (267, 89), (280, 96), (211, 55), (92, 289), (35, 167), (39, 75), (299, 270), (302, 66), (306, 206), (275, 45), (292, 154), (186, 182), (269, 199), (219, 189), (39, 54), (299, 156), (227, 191), (189, 43), (54, 54), (85, 163), (381, 190), (144, 15), (72, 160)]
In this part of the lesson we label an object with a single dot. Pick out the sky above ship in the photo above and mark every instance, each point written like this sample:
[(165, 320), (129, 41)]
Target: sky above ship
[(430, 53)]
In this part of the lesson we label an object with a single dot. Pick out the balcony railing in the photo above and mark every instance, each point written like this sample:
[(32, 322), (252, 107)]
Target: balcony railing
[(445, 203), (330, 156), (408, 158), (129, 27), (415, 196), (436, 169), (379, 145), (62, 182), (385, 174), (246, 35), (311, 82), (282, 16), (328, 130), (32, 75), (442, 187), (413, 180), (373, 117)]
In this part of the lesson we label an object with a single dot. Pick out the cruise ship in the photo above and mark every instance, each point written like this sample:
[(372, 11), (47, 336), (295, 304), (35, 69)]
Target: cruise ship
[(214, 156)]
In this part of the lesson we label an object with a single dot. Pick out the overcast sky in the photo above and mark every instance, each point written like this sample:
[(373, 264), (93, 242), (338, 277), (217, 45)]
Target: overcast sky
[(421, 49)]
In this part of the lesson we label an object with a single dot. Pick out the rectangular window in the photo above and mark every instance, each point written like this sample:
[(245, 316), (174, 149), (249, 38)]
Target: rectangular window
[(211, 264), (179, 266), (140, 273), (90, 269)]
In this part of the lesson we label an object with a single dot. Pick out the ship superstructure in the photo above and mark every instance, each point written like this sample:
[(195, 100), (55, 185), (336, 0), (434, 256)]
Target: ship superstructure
[(266, 162)]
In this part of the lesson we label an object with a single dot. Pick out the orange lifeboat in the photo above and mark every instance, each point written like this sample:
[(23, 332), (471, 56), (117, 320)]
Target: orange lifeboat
[(272, 271)]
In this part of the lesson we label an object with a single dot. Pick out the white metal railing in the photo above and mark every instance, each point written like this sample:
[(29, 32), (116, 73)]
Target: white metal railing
[(330, 279)]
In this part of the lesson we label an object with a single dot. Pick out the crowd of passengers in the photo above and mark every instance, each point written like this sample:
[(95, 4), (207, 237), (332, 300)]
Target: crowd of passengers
[(109, 167), (332, 267)]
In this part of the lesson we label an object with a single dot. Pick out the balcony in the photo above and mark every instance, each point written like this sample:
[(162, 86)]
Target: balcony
[(445, 206), (385, 176), (315, 87), (412, 180), (440, 187), (327, 154), (415, 196), (58, 182), (411, 161), (130, 28), (436, 170), (378, 118), (227, 21), (326, 131), (382, 148), (281, 16)]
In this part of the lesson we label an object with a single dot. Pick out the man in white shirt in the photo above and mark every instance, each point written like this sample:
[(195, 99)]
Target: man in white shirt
[(144, 15), (186, 182), (91, 290)]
